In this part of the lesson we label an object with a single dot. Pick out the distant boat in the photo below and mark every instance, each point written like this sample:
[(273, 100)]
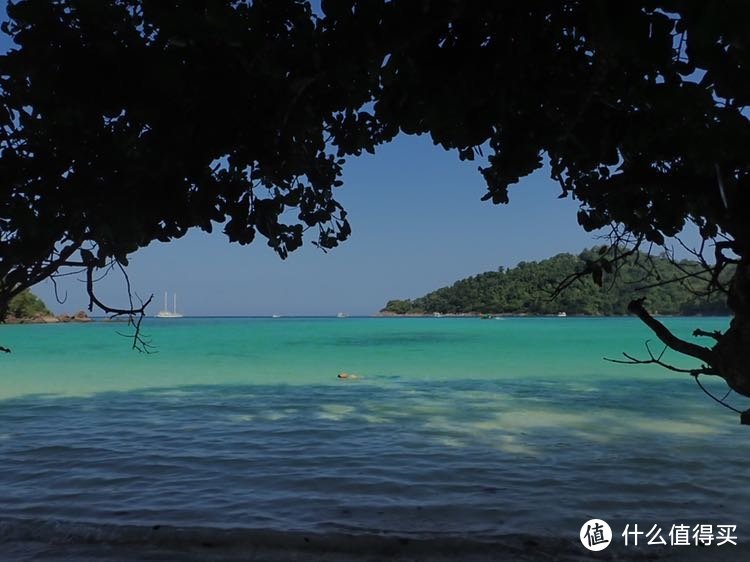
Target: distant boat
[(341, 315), (275, 315), (561, 314), (437, 315), (166, 313)]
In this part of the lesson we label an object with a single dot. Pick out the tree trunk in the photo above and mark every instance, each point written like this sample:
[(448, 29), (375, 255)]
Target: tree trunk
[(732, 351), (729, 358)]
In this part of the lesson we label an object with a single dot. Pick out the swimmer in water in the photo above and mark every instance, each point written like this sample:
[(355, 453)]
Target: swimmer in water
[(343, 375)]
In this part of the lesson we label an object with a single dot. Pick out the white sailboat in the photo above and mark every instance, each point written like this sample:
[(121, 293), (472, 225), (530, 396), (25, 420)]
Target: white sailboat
[(166, 313)]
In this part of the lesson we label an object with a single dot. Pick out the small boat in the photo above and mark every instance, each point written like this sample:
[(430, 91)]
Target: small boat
[(166, 313), (275, 315), (561, 314), (341, 315)]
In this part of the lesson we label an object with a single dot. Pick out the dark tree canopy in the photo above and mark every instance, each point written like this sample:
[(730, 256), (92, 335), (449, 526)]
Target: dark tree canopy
[(128, 121)]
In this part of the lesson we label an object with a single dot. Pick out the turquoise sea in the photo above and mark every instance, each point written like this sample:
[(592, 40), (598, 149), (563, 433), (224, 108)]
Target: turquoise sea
[(462, 439)]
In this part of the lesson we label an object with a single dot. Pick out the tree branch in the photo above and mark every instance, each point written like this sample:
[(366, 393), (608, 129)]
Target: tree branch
[(705, 354), (716, 334), (704, 370), (135, 315), (603, 264)]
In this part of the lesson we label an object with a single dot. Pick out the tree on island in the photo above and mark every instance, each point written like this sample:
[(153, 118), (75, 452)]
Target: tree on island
[(27, 305), (128, 121)]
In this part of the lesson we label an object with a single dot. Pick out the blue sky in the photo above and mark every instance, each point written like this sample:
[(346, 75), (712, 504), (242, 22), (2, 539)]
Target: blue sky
[(418, 224)]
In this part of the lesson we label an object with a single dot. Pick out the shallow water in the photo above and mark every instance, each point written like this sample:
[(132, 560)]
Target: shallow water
[(458, 429)]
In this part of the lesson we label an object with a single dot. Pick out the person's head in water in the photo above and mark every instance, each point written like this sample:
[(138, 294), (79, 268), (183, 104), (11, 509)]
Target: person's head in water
[(343, 375)]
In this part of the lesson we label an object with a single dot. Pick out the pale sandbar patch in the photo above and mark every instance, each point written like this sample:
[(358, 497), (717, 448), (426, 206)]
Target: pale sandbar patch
[(335, 412), (274, 416), (242, 418)]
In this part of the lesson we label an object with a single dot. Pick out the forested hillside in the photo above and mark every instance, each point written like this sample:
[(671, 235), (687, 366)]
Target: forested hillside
[(528, 288), (27, 305)]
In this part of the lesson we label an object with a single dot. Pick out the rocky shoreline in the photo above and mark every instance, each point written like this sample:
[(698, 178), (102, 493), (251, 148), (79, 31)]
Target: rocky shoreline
[(79, 316)]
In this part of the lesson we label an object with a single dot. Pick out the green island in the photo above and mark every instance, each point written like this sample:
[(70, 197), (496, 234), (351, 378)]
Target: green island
[(528, 289), (26, 305), (27, 308)]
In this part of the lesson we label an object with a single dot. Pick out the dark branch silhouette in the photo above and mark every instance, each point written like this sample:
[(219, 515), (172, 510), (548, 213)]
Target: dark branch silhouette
[(134, 314), (657, 360), (705, 354)]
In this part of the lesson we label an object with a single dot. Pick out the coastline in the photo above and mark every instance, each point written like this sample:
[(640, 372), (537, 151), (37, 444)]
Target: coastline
[(82, 317), (78, 317), (386, 314)]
